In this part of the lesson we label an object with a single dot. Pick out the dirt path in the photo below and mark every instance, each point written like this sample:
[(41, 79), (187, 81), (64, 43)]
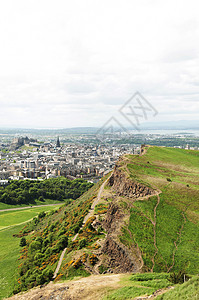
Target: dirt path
[(155, 294), (59, 263), (90, 213), (95, 202), (87, 288)]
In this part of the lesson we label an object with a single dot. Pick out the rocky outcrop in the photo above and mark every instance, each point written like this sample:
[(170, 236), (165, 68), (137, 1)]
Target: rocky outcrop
[(118, 258), (124, 186), (113, 216)]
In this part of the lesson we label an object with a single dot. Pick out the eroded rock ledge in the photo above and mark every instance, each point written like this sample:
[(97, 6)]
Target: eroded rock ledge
[(113, 216), (124, 186), (118, 259)]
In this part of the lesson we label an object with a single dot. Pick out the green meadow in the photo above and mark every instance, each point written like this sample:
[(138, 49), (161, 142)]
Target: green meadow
[(36, 202), (15, 217), (9, 245), (9, 253)]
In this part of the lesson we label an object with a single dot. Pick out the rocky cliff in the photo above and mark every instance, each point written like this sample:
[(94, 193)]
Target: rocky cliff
[(124, 186)]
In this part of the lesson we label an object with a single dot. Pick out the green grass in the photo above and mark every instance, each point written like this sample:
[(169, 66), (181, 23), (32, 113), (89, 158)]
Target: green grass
[(186, 291), (37, 202), (9, 245), (177, 164), (175, 172), (139, 285), (169, 223), (14, 217), (129, 292), (80, 272), (9, 252)]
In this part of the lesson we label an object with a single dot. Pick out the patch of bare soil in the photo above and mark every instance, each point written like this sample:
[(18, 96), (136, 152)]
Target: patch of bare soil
[(89, 288)]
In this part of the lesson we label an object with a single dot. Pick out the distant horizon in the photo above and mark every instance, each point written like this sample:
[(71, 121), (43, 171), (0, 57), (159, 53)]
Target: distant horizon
[(178, 125)]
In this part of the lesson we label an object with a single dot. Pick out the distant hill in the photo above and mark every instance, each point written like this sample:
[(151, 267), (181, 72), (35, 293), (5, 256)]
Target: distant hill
[(145, 220), (167, 125)]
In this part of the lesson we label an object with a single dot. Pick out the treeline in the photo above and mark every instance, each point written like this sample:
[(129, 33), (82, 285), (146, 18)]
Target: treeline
[(27, 191)]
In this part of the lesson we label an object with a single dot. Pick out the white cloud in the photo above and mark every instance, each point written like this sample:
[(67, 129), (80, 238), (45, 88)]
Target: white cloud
[(74, 63)]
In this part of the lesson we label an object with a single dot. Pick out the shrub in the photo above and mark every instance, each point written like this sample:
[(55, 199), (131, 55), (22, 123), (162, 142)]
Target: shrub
[(22, 242), (41, 214), (178, 277), (82, 243)]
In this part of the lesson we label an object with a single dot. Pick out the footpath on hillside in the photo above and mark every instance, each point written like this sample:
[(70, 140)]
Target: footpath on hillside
[(90, 213)]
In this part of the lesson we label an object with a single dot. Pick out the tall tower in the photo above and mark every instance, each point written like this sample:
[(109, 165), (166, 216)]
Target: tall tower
[(58, 143)]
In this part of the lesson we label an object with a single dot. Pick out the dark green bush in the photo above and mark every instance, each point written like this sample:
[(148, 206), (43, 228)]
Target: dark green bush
[(22, 242)]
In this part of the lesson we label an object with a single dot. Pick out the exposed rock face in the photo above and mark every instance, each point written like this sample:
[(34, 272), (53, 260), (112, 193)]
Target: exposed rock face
[(118, 258), (112, 216), (127, 187)]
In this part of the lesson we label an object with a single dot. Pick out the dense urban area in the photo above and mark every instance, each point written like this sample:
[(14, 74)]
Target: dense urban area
[(75, 155)]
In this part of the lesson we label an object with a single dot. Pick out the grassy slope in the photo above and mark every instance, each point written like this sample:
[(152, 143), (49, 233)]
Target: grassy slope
[(9, 245), (146, 284), (177, 234), (37, 202), (52, 228), (9, 252), (139, 285), (14, 217), (188, 290)]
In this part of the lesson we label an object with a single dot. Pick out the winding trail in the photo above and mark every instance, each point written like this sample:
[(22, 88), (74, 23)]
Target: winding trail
[(90, 213)]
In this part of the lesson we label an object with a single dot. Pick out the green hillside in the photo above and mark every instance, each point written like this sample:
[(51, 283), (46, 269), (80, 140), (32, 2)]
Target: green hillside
[(11, 222), (170, 241), (188, 290), (145, 219), (46, 237)]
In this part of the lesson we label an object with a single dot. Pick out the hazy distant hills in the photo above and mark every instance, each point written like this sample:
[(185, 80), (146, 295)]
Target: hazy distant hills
[(171, 125)]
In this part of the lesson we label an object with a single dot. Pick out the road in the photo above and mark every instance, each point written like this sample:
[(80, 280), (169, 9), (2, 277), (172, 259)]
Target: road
[(90, 213)]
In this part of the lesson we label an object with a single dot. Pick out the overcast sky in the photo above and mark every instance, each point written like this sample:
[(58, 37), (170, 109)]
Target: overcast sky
[(75, 63)]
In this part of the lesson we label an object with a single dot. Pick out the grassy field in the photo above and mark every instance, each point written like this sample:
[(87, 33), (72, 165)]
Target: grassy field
[(37, 202), (15, 217), (9, 245), (175, 173), (9, 252)]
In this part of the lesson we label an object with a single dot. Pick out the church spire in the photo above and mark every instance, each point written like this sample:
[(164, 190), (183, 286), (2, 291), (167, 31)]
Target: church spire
[(58, 143)]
